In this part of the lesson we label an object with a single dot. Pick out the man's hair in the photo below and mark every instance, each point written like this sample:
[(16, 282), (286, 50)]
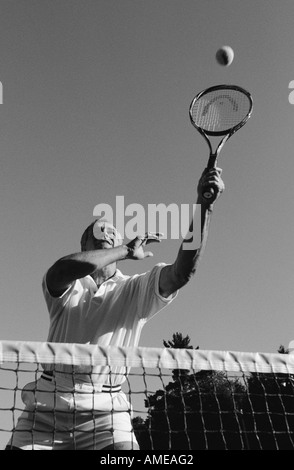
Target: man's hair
[(88, 233)]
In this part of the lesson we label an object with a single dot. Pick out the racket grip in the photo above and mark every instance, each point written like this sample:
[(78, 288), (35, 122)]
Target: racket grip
[(208, 193)]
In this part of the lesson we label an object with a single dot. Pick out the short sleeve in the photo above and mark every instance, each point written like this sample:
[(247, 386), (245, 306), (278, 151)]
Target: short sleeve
[(56, 304), (149, 299)]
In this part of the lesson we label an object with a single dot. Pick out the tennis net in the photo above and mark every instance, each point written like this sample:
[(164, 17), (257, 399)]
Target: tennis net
[(180, 398)]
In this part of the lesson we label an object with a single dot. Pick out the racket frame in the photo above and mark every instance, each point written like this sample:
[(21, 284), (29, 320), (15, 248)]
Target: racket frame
[(226, 133)]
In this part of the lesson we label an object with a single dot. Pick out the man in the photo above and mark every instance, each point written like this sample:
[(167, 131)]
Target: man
[(91, 302)]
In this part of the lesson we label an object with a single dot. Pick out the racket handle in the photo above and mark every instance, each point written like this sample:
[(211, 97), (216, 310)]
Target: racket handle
[(208, 193)]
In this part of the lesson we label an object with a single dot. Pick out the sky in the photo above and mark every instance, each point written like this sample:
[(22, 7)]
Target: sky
[(95, 105)]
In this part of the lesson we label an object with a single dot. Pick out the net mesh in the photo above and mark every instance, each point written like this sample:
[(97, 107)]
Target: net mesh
[(180, 398), (220, 110)]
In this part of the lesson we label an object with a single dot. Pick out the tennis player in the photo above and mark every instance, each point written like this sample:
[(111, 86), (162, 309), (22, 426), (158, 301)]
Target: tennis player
[(90, 301)]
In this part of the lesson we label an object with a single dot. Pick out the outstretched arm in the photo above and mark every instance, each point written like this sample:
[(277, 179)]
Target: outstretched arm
[(178, 274)]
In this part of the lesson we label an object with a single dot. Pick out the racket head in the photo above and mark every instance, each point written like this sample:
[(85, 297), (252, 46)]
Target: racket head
[(221, 110)]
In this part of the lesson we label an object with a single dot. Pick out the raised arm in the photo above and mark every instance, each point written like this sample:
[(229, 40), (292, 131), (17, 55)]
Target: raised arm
[(178, 274)]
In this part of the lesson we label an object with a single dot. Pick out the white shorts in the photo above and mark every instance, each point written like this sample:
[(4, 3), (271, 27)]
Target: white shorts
[(60, 416)]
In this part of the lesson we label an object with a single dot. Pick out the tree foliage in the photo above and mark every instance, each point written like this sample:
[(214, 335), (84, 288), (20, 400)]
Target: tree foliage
[(179, 342)]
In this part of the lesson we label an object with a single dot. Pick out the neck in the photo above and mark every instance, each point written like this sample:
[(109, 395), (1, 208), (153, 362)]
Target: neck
[(104, 274)]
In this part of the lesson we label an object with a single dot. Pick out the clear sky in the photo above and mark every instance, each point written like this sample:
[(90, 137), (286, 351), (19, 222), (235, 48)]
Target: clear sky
[(95, 104)]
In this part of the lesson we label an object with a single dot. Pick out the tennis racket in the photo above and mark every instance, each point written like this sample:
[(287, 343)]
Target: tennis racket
[(219, 111)]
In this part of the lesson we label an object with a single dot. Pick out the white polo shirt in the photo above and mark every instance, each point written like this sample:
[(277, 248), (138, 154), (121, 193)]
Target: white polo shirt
[(112, 315)]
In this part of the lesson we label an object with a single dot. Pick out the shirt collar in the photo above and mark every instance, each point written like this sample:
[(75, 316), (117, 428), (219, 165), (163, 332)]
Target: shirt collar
[(117, 275)]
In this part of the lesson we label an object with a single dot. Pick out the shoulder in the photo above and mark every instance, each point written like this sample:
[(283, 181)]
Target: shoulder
[(77, 286), (148, 277)]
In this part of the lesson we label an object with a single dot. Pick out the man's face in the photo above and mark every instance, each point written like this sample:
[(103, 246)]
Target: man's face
[(105, 236)]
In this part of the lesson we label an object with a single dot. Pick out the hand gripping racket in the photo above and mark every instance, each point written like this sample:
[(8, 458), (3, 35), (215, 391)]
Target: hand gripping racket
[(219, 111)]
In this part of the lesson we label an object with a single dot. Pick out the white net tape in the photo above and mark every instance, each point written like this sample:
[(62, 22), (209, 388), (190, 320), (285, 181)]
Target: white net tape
[(85, 355)]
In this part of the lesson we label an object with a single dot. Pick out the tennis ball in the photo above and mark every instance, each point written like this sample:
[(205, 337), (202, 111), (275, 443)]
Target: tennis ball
[(225, 56)]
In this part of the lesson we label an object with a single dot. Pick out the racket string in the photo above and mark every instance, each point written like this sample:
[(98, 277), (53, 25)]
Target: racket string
[(220, 110)]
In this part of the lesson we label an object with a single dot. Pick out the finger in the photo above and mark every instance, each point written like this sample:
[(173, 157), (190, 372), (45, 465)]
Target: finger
[(218, 188), (214, 175), (219, 170), (154, 234), (210, 182), (213, 172), (151, 237)]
